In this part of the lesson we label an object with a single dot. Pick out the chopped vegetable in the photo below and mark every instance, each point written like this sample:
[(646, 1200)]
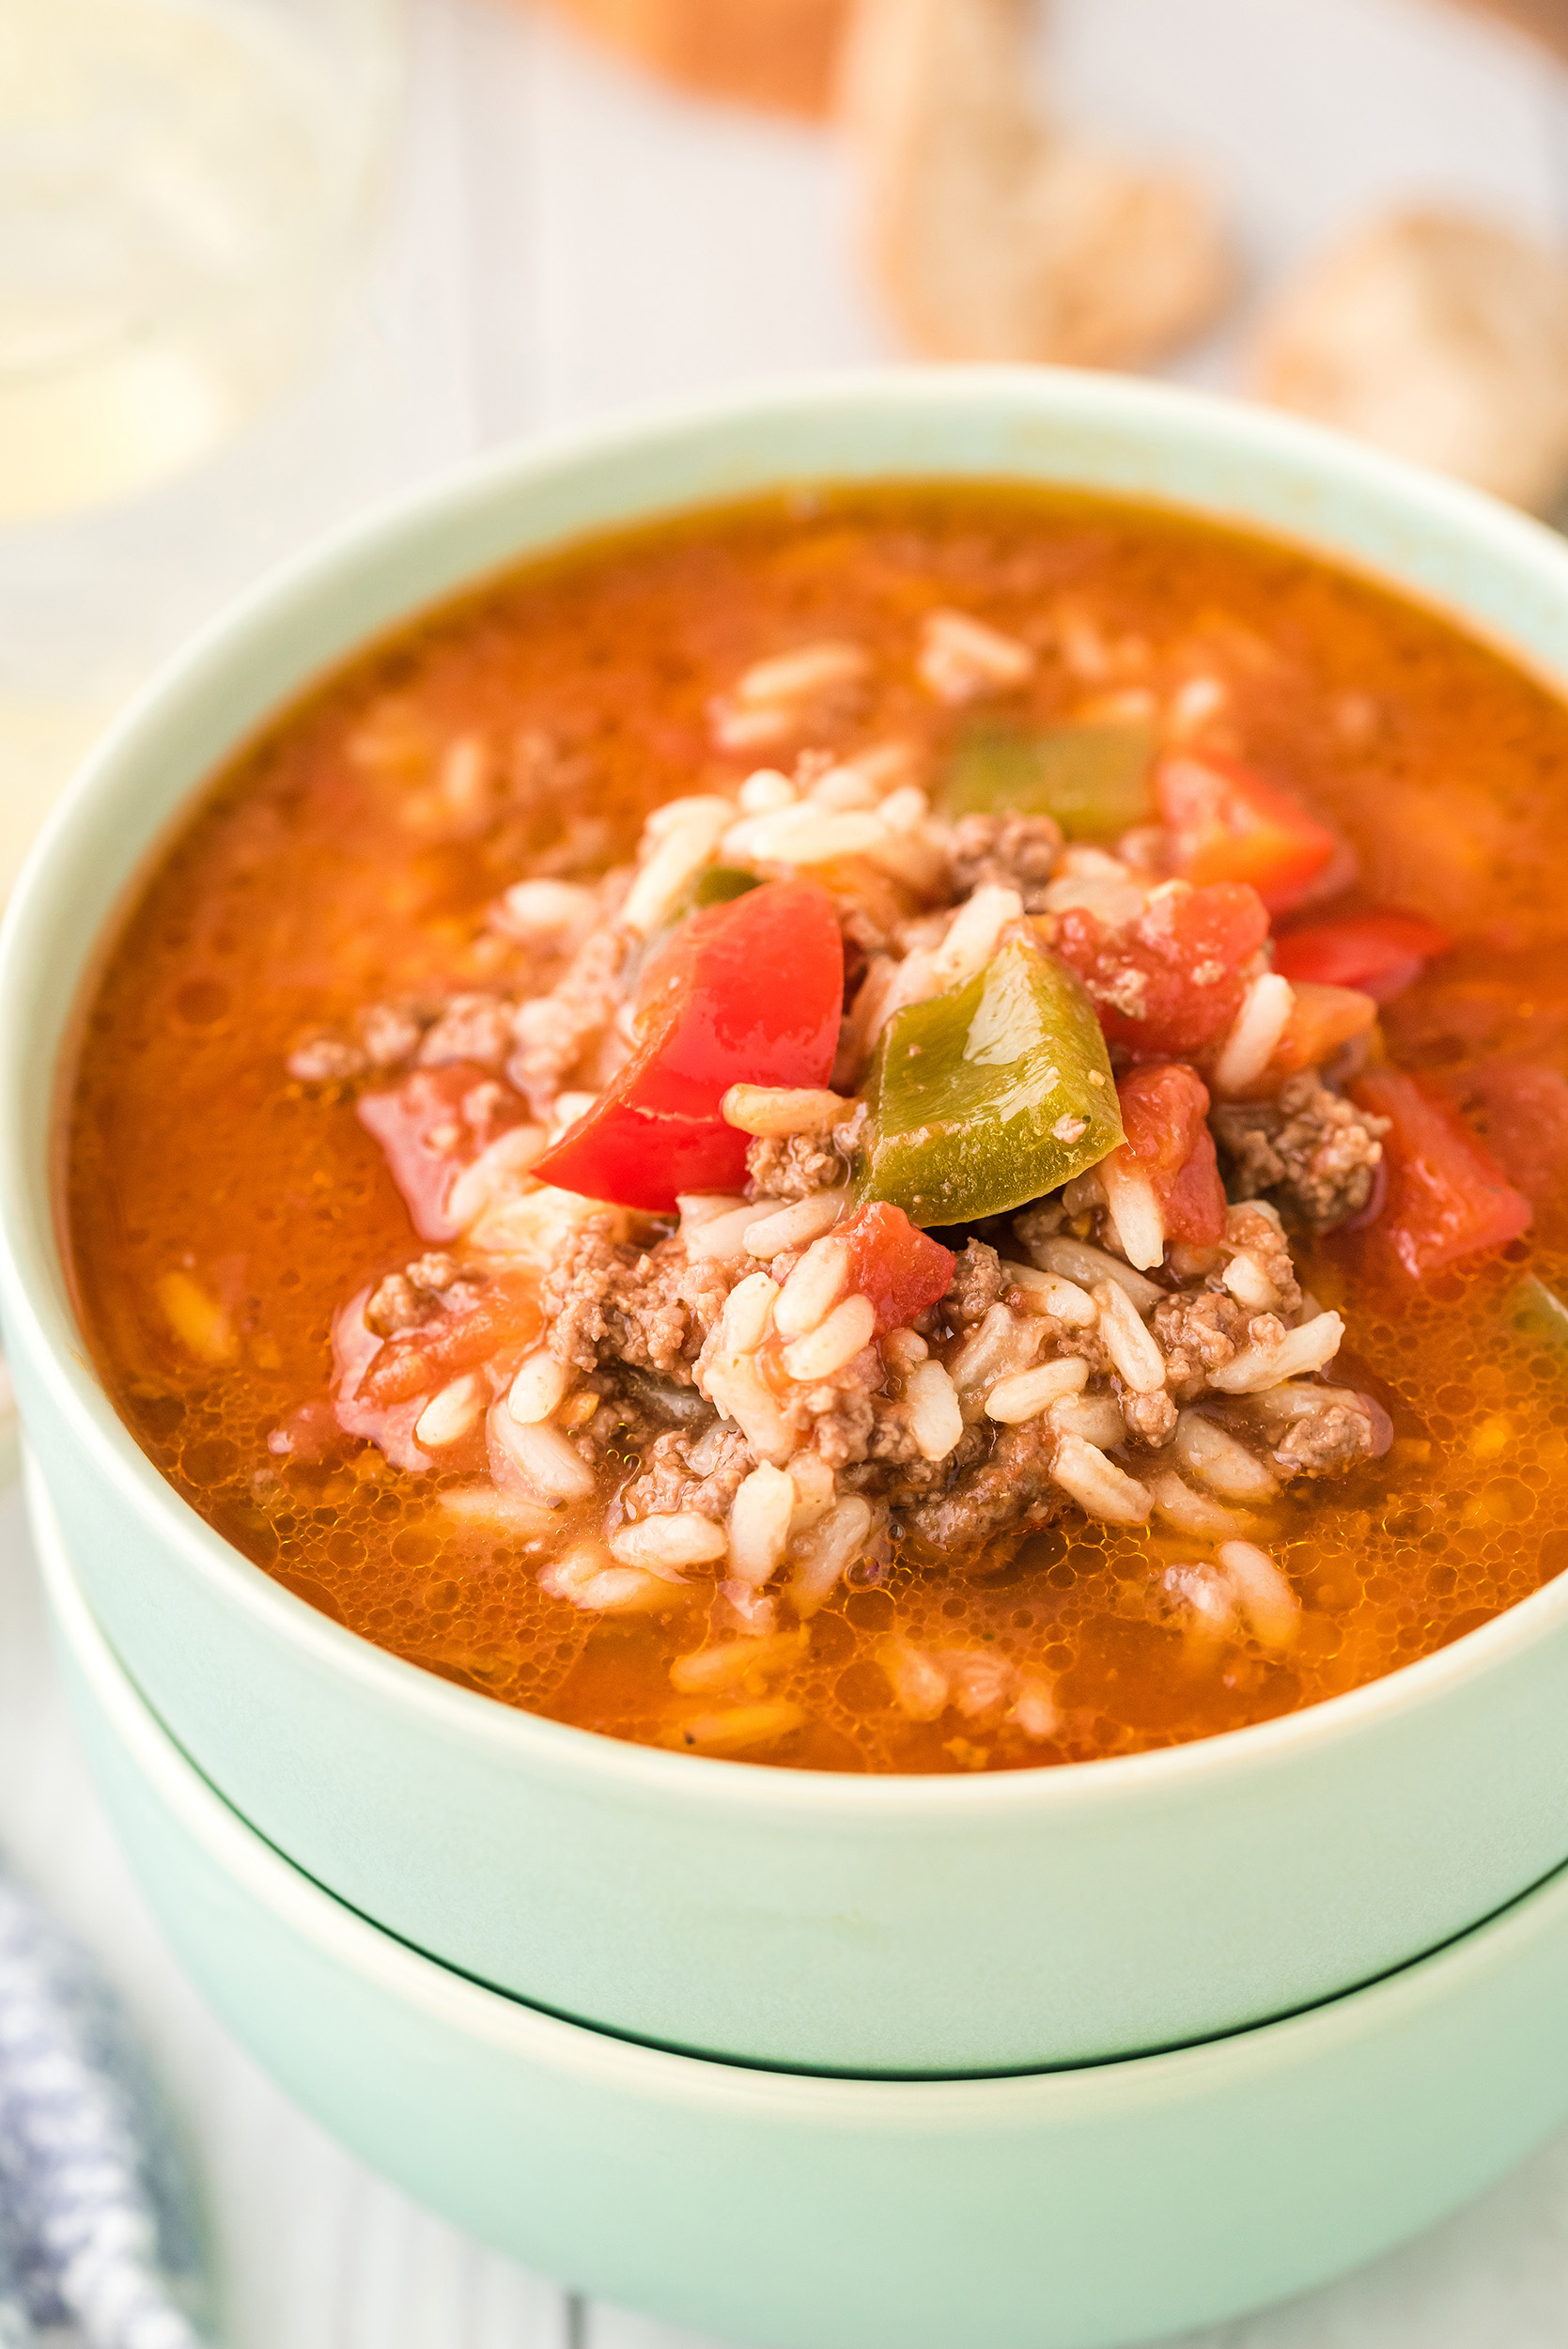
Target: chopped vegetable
[(1539, 1311), (990, 1094), (1521, 1112), (431, 1127), (1230, 825), (1447, 1194), (895, 1267), (1093, 779), (745, 993), (1165, 1113), (1172, 981), (1378, 953), (506, 1313)]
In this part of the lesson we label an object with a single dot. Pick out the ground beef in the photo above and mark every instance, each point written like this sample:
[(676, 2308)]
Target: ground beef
[(1197, 1332), (793, 1167), (407, 1300), (1010, 852), (475, 1028), (977, 1283), (1012, 1487), (654, 1308), (1247, 1227), (1041, 1221), (673, 1479), (551, 1032), (1309, 1151), (1345, 1430), (1149, 1418), (842, 1420), (895, 1470)]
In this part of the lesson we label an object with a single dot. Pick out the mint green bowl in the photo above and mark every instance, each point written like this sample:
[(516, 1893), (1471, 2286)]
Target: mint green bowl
[(864, 1925), (1059, 2210)]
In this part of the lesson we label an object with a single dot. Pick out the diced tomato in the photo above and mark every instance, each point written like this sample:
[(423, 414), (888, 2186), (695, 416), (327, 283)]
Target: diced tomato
[(1165, 1117), (745, 993), (1172, 982), (894, 1265), (1446, 1195), (1231, 825), (1378, 953), (431, 1127), (1522, 1113), (506, 1312)]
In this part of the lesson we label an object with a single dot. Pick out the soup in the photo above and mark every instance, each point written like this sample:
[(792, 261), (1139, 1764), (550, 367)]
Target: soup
[(913, 1129)]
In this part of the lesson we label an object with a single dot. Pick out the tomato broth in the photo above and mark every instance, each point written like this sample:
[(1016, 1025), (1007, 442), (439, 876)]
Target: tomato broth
[(1155, 1089)]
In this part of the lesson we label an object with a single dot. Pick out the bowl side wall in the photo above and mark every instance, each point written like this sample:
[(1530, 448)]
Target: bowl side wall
[(1269, 1868), (1239, 2172)]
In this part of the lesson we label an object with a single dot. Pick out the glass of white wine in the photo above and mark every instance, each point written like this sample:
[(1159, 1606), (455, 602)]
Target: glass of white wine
[(183, 186)]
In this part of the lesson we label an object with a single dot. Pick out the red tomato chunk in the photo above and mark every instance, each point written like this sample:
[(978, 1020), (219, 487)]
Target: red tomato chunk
[(1230, 825), (894, 1265), (1446, 1195), (433, 1125), (1164, 1112), (1172, 982), (746, 993), (505, 1314)]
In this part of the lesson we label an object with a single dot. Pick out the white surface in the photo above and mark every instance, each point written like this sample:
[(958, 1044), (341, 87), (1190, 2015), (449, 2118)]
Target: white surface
[(567, 240)]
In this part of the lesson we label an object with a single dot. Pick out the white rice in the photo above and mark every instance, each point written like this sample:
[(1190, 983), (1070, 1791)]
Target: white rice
[(451, 1413), (539, 1386), (1216, 1459), (822, 1554), (1029, 1393), (935, 1420), (812, 1288), (759, 1524), (834, 1342), (1305, 1348), (1100, 1488), (1075, 1260), (1264, 1014), (1136, 1358), (774, 1111), (547, 1465), (667, 1544), (961, 658), (1130, 1200), (802, 1220), (1268, 1601)]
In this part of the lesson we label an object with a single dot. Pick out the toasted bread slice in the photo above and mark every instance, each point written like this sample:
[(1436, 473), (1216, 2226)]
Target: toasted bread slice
[(995, 235), (1441, 337)]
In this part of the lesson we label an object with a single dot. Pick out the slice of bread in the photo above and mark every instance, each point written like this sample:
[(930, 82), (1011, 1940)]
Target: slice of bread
[(996, 236), (1439, 337)]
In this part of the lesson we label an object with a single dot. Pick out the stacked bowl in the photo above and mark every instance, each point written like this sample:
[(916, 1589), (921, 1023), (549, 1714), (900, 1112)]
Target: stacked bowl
[(858, 2058)]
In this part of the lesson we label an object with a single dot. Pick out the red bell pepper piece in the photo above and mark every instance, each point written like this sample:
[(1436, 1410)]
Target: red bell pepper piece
[(893, 1264), (745, 993), (506, 1313), (1230, 825), (1378, 953), (1165, 1116), (1172, 981), (1446, 1195), (431, 1127)]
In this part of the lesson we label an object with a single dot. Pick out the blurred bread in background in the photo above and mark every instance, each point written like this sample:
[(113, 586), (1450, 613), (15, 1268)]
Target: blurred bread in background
[(1439, 337), (993, 233), (778, 55)]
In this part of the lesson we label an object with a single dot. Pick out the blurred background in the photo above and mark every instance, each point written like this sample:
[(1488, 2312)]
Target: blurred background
[(264, 261)]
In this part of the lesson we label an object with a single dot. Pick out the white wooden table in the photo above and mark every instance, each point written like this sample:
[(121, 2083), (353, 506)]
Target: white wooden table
[(567, 240)]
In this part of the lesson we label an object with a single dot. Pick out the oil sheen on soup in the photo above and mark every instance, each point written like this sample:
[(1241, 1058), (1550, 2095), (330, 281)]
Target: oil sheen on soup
[(904, 1130)]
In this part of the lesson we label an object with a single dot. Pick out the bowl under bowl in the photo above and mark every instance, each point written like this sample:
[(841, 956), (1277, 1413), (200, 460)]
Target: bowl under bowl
[(921, 1926), (1059, 2211)]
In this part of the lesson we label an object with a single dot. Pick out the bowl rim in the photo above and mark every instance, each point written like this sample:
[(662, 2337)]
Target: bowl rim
[(1062, 2096), (32, 1279)]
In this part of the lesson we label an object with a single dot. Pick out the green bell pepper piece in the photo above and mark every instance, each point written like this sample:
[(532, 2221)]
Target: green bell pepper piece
[(715, 885), (990, 1096), (1093, 779), (1538, 1312)]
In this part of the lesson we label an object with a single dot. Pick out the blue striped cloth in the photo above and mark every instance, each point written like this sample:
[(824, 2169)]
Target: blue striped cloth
[(98, 2239)]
